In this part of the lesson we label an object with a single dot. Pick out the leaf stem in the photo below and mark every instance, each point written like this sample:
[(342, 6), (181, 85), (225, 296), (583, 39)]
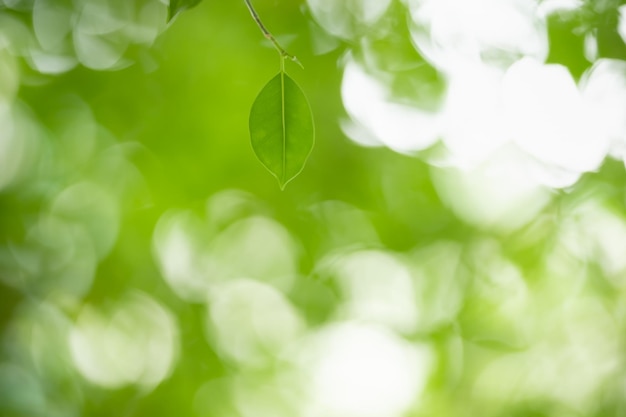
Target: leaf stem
[(283, 54)]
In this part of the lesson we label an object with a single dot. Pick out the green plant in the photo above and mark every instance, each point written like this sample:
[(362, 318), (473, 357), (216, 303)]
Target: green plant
[(281, 124)]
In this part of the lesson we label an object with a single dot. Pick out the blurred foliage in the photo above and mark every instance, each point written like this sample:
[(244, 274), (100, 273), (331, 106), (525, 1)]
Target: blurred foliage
[(149, 266)]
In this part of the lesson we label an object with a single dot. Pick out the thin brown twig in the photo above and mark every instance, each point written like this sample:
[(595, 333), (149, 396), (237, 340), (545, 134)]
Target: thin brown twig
[(268, 35)]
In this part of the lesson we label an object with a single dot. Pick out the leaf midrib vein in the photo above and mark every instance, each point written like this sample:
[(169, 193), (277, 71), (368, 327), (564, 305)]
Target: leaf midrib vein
[(282, 107)]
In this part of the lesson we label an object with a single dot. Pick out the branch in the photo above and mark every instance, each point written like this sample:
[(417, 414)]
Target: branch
[(268, 35)]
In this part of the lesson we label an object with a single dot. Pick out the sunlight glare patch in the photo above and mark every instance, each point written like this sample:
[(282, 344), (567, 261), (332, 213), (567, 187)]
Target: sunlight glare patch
[(251, 322), (547, 117), (377, 288), (604, 91), (450, 33), (135, 343), (359, 370), (497, 194), (400, 127), (176, 252)]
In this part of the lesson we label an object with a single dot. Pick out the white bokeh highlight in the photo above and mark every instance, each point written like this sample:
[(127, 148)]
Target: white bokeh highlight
[(398, 126), (547, 117), (603, 88), (349, 18), (453, 33), (359, 370), (251, 322), (496, 194), (377, 288), (93, 33), (135, 343), (501, 98)]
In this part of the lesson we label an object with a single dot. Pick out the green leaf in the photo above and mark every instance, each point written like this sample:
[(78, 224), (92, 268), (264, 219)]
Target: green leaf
[(177, 6), (281, 128)]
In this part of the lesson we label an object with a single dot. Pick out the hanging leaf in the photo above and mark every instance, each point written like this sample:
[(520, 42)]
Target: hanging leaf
[(281, 128), (177, 6)]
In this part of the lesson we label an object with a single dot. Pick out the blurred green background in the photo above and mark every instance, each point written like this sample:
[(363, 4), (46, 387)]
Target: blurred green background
[(455, 246)]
